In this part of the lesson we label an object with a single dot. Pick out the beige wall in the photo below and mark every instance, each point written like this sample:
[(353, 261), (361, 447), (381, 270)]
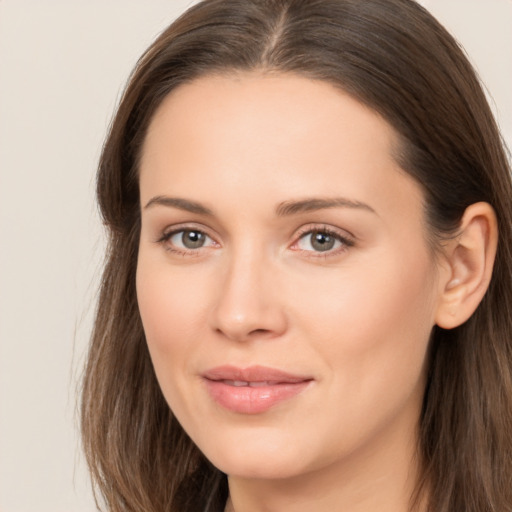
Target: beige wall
[(484, 27), (62, 64)]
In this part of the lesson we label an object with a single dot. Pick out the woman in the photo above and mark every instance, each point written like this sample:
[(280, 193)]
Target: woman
[(305, 304)]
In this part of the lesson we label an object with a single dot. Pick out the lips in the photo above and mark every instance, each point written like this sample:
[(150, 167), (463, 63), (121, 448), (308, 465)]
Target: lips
[(242, 383), (252, 390)]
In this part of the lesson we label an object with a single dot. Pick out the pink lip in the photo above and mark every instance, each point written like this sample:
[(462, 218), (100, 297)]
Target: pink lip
[(265, 387)]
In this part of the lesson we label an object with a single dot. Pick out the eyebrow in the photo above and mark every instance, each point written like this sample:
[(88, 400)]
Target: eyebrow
[(179, 203), (308, 205), (284, 209)]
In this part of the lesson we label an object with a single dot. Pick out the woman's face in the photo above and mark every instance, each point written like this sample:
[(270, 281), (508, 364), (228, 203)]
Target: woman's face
[(284, 281)]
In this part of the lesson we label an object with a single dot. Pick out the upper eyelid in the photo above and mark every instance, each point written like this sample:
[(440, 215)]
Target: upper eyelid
[(342, 233), (177, 228)]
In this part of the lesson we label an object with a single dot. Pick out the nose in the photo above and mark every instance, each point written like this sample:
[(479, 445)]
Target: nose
[(249, 301)]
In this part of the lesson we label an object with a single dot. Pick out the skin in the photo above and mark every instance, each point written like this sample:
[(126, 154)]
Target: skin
[(356, 318)]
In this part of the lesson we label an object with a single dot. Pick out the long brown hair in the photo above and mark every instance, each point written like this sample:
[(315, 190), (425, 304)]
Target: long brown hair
[(394, 57)]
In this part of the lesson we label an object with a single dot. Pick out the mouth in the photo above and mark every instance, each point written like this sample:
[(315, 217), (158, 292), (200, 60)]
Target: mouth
[(252, 384), (252, 390)]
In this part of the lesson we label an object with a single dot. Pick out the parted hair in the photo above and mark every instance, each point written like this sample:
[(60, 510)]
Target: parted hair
[(394, 57)]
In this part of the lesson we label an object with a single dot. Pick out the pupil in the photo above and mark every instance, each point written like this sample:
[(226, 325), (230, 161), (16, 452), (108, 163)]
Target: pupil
[(193, 239), (322, 242)]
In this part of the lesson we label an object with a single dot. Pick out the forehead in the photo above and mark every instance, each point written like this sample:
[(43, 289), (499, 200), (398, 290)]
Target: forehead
[(270, 108), (255, 136)]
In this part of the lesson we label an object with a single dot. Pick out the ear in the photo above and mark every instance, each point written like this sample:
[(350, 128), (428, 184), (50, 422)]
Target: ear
[(470, 259)]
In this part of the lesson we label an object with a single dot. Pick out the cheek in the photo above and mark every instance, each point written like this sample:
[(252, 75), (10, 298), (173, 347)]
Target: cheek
[(170, 305), (170, 308), (371, 330), (374, 320)]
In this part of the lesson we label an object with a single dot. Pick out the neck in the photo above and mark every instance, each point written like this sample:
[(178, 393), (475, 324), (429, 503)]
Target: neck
[(381, 476)]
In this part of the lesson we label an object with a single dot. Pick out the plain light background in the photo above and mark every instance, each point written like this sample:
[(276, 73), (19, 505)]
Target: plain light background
[(62, 68)]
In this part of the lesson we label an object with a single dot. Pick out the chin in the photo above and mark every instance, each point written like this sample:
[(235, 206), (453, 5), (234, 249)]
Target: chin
[(258, 468), (259, 455)]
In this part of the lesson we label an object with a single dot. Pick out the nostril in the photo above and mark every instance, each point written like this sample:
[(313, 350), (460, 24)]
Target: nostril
[(241, 336), (259, 331)]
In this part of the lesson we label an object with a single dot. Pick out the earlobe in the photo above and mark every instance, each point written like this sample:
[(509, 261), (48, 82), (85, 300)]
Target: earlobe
[(470, 257)]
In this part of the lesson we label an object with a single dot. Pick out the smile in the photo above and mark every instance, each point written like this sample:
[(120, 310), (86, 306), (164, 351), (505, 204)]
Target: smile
[(242, 383), (252, 390)]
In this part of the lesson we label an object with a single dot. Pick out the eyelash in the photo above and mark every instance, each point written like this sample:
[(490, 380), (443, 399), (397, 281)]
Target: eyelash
[(345, 241), (166, 236)]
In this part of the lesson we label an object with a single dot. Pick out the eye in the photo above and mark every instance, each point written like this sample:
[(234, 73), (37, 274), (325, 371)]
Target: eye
[(322, 241), (189, 239), (184, 240)]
